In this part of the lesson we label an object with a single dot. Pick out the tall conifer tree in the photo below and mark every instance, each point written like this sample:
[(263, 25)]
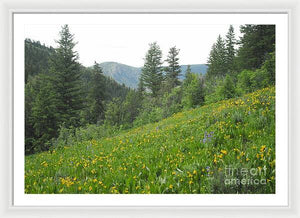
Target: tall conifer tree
[(152, 75), (255, 45), (96, 97), (217, 60), (173, 69), (230, 51), (65, 73), (44, 113)]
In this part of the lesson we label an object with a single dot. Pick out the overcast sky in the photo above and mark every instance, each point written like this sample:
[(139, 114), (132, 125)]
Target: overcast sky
[(128, 43)]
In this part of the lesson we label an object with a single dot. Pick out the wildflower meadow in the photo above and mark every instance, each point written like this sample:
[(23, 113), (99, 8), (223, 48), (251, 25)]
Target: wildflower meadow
[(222, 147)]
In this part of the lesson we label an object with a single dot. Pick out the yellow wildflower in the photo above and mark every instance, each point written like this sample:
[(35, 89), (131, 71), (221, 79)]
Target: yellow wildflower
[(224, 152), (262, 148)]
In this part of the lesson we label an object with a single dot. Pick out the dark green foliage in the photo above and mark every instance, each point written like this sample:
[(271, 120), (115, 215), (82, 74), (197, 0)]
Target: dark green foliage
[(245, 81), (115, 90), (193, 93), (70, 137), (249, 81), (131, 106), (212, 91), (269, 67), (230, 50), (227, 89), (123, 113), (150, 111), (55, 98), (189, 76), (40, 114), (36, 58), (173, 69), (221, 60), (30, 92), (151, 115), (152, 75), (171, 102), (95, 100), (65, 77), (217, 60), (112, 89), (114, 113), (255, 44), (141, 89), (224, 88)]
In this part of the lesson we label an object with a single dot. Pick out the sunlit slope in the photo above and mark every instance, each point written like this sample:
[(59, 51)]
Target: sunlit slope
[(186, 153)]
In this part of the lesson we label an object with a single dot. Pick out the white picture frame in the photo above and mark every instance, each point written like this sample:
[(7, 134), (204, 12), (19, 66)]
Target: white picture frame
[(7, 208)]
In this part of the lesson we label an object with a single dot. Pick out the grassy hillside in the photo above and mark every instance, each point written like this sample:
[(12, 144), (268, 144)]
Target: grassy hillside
[(196, 151)]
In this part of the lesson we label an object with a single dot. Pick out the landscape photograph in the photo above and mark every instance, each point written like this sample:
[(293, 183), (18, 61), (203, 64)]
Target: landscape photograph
[(149, 109)]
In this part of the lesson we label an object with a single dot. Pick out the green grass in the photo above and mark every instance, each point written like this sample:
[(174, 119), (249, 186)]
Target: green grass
[(189, 152)]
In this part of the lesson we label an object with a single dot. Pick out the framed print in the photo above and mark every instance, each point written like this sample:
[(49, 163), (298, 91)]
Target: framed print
[(151, 108), (173, 130)]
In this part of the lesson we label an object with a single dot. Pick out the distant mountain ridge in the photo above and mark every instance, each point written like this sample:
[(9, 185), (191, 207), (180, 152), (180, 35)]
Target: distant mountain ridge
[(122, 73), (129, 76)]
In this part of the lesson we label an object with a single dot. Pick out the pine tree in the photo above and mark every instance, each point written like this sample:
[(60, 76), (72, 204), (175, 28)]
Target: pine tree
[(228, 89), (29, 130), (96, 97), (221, 54), (188, 70), (173, 69), (211, 62), (131, 106), (255, 45), (152, 75), (65, 77), (43, 112), (141, 88), (188, 76), (193, 91), (230, 51), (217, 60)]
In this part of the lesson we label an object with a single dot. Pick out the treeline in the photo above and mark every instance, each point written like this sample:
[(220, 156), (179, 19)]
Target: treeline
[(71, 103)]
